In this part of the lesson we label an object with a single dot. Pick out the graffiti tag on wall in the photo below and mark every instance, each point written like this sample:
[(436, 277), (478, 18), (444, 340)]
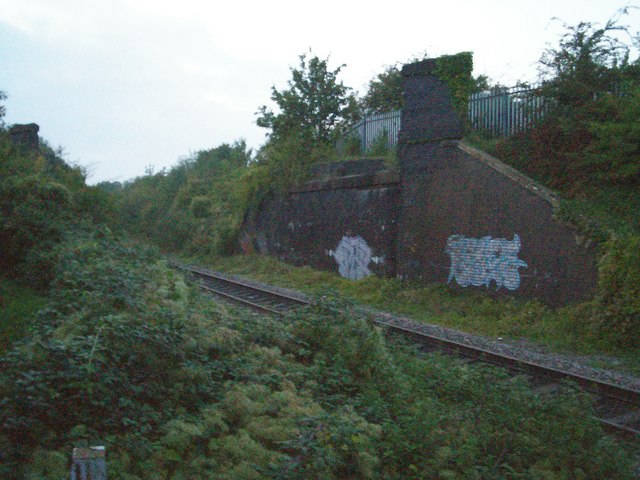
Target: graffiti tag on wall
[(353, 257), (479, 261)]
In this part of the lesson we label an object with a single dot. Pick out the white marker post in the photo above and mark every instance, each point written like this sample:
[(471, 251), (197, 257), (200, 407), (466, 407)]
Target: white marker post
[(89, 464)]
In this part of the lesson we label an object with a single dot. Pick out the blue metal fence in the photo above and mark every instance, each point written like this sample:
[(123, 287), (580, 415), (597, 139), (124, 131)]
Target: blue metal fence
[(505, 111), (499, 111), (371, 127)]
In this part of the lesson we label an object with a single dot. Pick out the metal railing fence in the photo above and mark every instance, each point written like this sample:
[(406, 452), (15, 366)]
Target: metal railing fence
[(499, 112), (505, 111), (371, 128)]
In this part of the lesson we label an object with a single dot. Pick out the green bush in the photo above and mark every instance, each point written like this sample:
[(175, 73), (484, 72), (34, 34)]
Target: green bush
[(380, 145), (615, 312), (200, 206), (197, 206), (351, 146), (589, 134), (178, 386), (455, 71), (41, 200), (613, 155)]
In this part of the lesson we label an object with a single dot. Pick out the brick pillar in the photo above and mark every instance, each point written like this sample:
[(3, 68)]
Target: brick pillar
[(429, 130), (26, 135)]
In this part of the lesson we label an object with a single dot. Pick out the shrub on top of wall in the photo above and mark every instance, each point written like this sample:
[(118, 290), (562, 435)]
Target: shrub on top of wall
[(455, 71)]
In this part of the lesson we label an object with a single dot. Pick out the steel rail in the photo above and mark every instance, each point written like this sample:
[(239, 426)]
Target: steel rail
[(595, 386), (604, 391), (241, 300), (246, 288)]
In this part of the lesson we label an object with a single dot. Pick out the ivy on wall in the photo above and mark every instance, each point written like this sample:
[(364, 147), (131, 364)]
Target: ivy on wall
[(455, 72)]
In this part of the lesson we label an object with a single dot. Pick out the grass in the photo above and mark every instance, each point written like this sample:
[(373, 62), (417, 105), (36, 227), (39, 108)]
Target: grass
[(18, 305), (616, 209), (559, 330)]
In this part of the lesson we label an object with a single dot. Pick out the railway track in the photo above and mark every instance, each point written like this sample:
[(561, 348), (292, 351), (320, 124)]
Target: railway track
[(242, 293), (618, 408)]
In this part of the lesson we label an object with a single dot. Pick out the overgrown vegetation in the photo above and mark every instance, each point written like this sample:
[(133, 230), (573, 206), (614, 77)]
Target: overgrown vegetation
[(455, 72), (122, 352), (179, 386), (18, 305), (126, 355), (41, 200), (560, 330), (588, 147), (385, 90), (198, 205), (590, 136)]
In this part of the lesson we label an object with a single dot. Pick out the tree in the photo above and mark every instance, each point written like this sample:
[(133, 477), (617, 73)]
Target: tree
[(3, 96), (588, 61), (316, 103), (590, 134), (385, 92)]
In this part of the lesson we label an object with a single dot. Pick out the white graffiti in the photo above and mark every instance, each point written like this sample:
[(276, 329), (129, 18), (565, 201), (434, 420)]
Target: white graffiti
[(479, 261), (353, 257)]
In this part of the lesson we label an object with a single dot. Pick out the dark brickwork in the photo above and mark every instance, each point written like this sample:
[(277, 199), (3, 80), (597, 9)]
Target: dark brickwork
[(349, 168), (343, 224), (25, 135), (427, 114), (465, 223), (452, 215), (469, 220)]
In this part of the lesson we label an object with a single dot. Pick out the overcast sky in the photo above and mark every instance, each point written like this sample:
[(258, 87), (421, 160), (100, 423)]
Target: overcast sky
[(126, 84)]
